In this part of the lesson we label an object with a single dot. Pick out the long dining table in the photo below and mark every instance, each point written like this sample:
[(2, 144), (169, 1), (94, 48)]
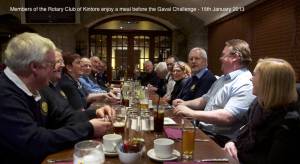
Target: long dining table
[(205, 148)]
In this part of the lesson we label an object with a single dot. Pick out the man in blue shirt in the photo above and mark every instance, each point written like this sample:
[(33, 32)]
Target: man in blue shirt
[(88, 84), (224, 106)]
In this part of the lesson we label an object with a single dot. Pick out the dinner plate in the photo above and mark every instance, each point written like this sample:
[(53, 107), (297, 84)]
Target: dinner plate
[(151, 154)]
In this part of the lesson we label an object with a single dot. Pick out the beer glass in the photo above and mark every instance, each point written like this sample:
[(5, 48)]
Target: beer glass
[(119, 120), (125, 94), (88, 152), (188, 137)]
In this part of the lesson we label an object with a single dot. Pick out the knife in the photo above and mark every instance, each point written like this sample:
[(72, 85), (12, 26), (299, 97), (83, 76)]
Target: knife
[(213, 160), (59, 160)]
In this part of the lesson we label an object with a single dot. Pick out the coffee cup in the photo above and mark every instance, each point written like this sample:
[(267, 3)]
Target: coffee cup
[(163, 147), (110, 142)]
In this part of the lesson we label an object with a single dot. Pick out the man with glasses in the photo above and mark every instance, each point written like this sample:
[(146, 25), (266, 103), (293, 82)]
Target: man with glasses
[(223, 108), (27, 133)]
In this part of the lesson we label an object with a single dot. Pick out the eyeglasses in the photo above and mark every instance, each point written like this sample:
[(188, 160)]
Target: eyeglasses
[(50, 65)]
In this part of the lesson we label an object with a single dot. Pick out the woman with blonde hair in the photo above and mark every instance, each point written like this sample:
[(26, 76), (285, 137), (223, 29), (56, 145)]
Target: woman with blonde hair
[(273, 129), (181, 72)]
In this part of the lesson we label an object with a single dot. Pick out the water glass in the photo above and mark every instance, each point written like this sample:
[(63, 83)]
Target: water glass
[(88, 152)]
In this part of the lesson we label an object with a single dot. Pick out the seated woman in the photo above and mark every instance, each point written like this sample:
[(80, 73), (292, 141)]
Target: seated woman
[(71, 86), (181, 72), (273, 129)]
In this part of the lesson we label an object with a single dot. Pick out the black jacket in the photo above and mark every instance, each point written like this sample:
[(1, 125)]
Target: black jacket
[(270, 137), (74, 92), (29, 131), (178, 87), (196, 87)]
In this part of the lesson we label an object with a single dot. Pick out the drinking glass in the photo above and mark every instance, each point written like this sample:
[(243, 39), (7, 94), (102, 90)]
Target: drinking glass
[(188, 137), (132, 127), (158, 115), (125, 94), (119, 120), (146, 121), (88, 152)]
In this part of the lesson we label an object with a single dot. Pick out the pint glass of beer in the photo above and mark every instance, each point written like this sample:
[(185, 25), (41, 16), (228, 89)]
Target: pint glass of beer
[(119, 121), (188, 138)]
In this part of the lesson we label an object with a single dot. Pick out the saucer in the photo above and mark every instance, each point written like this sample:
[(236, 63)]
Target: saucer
[(110, 154), (151, 154)]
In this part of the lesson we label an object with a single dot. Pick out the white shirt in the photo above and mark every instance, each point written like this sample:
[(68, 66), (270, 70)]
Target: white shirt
[(19, 83), (170, 85)]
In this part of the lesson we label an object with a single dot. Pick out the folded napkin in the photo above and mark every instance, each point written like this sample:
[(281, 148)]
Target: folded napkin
[(173, 133)]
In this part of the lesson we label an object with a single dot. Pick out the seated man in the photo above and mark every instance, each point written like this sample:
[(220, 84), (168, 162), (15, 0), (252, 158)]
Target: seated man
[(149, 76), (201, 80), (58, 104), (98, 73), (227, 101), (88, 85), (26, 134), (161, 71)]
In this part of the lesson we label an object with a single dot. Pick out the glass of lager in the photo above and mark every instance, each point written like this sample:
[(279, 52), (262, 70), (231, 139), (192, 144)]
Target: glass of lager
[(188, 138)]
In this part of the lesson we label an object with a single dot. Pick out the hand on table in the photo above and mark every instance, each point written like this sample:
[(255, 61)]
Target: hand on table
[(177, 102), (231, 149), (182, 110), (100, 126), (105, 110)]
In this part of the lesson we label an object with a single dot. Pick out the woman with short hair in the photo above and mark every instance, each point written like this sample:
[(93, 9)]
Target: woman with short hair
[(181, 72), (69, 83)]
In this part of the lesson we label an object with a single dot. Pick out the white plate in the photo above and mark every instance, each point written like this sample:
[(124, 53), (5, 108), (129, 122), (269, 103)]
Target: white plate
[(169, 121), (151, 154)]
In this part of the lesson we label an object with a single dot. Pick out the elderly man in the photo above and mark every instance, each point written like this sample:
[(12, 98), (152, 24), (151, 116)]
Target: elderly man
[(25, 133), (149, 76), (58, 103), (98, 72), (89, 85), (201, 80), (161, 71), (226, 103)]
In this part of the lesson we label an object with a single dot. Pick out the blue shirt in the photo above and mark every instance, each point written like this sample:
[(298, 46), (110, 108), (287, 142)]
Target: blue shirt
[(89, 86), (232, 92)]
